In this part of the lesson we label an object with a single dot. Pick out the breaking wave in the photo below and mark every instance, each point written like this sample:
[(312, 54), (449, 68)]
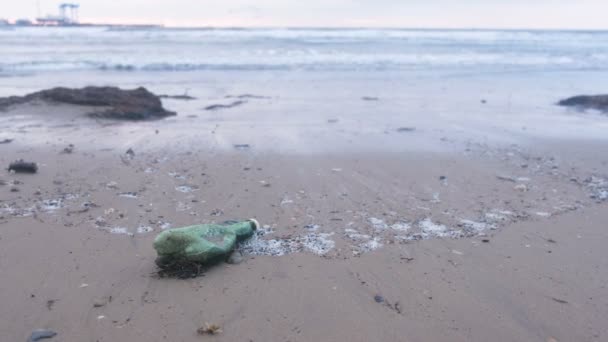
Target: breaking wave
[(102, 49)]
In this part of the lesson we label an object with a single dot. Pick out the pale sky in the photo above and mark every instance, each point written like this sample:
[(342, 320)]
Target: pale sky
[(575, 14)]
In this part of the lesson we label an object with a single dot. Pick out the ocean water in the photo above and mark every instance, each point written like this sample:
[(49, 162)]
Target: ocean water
[(38, 50), (312, 87)]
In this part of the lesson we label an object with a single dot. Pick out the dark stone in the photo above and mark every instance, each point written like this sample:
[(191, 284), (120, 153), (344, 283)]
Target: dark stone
[(598, 102), (225, 106), (235, 258), (177, 97), (40, 334), (21, 166), (369, 98), (379, 299), (6, 141), (68, 150), (116, 103), (248, 96), (406, 129)]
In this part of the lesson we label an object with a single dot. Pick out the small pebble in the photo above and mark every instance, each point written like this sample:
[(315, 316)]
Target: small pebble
[(235, 258), (40, 334), (379, 299), (99, 302)]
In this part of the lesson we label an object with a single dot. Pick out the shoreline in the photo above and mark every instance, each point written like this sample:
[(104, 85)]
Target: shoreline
[(432, 234)]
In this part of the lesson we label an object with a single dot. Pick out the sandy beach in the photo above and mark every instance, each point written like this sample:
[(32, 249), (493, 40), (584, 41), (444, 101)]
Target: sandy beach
[(377, 225)]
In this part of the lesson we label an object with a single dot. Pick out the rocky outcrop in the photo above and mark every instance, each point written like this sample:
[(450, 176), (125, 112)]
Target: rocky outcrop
[(112, 102), (597, 102)]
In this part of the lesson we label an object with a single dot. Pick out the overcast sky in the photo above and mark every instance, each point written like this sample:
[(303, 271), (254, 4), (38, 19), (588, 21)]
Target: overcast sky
[(582, 14)]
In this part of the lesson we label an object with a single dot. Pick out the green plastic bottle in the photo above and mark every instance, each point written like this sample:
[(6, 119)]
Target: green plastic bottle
[(202, 244)]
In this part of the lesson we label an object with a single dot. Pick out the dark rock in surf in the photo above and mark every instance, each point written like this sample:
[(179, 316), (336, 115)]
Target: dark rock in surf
[(113, 102), (247, 97), (597, 102), (21, 166), (178, 97), (370, 98), (225, 106)]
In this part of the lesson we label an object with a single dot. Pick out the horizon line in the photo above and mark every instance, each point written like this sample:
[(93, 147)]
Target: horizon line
[(312, 27)]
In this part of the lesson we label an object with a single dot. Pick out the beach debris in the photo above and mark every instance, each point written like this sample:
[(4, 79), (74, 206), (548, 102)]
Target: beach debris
[(242, 146), (598, 186), (401, 226), (312, 227), (186, 188), (370, 98), (99, 302), (21, 166), (68, 150), (215, 107), (381, 300), (128, 194), (112, 185), (521, 187), (506, 178), (370, 245), (216, 212), (185, 252), (377, 223), (332, 121), (430, 229), (130, 153), (6, 141), (40, 334), (113, 102), (185, 97), (406, 129), (248, 96), (50, 303), (144, 229), (597, 102), (561, 301), (316, 243), (209, 329)]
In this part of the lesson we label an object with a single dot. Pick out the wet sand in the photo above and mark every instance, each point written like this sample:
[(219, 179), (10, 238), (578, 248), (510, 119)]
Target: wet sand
[(434, 238)]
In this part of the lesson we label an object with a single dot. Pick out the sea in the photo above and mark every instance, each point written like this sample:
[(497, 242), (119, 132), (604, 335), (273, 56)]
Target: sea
[(35, 50), (490, 86)]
